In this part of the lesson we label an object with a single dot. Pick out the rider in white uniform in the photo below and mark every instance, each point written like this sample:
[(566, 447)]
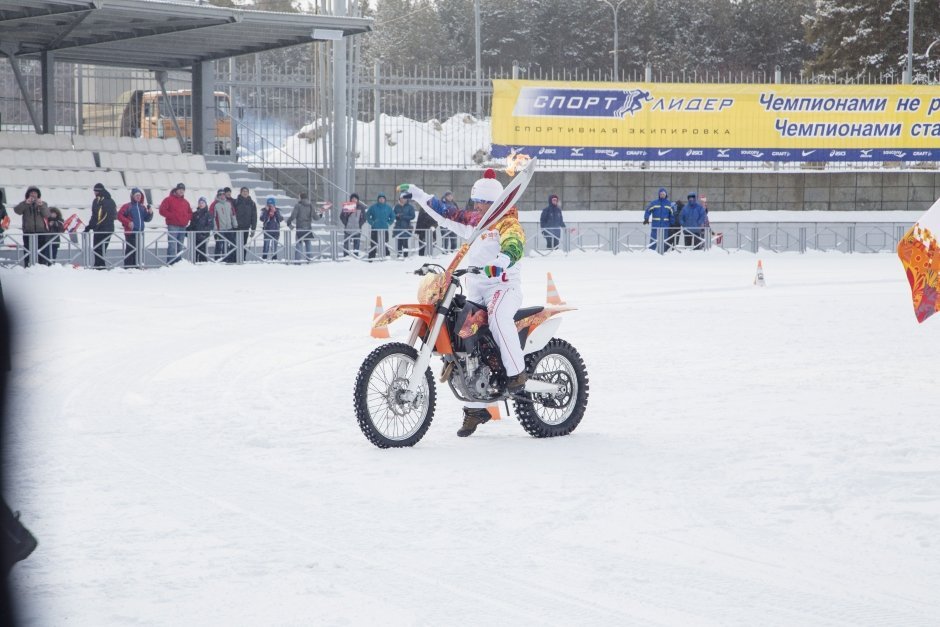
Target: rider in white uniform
[(498, 251)]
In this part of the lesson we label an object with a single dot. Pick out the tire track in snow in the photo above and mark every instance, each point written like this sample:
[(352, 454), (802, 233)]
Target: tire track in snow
[(528, 607)]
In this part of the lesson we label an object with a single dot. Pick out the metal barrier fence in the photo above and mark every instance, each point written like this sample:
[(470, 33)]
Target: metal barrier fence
[(156, 248)]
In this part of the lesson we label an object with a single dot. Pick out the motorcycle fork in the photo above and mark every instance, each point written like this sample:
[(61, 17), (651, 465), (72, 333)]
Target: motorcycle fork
[(424, 355)]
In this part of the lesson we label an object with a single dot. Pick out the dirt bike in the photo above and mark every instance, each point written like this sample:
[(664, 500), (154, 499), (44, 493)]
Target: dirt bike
[(395, 392)]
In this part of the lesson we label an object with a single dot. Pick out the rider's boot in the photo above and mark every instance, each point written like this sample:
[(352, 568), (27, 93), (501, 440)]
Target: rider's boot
[(515, 383), (472, 417)]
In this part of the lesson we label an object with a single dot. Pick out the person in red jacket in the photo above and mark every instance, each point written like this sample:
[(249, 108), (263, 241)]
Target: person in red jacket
[(177, 212)]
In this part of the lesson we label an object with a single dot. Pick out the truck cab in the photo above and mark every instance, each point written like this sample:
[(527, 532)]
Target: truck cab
[(140, 113), (156, 119)]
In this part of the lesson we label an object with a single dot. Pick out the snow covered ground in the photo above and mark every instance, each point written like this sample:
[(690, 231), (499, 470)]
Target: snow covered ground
[(184, 447)]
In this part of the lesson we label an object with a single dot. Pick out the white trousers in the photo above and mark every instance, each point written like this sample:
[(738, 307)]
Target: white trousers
[(502, 300)]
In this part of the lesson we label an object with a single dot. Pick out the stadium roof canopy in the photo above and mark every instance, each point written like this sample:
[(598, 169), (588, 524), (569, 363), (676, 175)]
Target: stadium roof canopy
[(156, 34)]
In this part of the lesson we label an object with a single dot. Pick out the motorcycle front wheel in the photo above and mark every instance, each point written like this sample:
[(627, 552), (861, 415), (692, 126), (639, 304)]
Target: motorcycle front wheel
[(550, 415), (385, 417)]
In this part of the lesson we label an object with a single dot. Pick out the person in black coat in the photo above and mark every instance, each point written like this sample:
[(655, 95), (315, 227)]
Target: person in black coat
[(103, 215), (56, 226), (16, 541), (246, 215), (552, 222), (425, 226), (201, 225)]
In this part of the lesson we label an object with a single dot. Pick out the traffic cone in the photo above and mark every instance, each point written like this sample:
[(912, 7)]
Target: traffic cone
[(759, 279), (379, 332), (494, 411), (551, 294)]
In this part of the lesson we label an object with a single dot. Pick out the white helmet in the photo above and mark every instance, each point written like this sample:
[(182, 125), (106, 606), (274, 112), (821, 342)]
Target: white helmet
[(486, 190)]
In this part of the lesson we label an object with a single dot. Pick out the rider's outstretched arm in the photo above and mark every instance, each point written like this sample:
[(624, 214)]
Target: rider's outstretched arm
[(436, 208)]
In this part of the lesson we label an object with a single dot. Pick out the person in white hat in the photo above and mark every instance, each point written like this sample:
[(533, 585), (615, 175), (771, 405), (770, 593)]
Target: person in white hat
[(498, 251)]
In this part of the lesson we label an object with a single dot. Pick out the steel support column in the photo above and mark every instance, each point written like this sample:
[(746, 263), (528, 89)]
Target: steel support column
[(204, 113), (340, 166), (47, 64)]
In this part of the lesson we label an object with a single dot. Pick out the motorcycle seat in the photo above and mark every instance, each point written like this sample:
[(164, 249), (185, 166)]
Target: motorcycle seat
[(525, 312)]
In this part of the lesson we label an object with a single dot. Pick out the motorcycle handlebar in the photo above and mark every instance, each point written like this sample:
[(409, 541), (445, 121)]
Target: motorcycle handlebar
[(429, 268)]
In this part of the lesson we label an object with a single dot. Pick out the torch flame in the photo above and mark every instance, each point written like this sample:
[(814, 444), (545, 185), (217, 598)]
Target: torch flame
[(515, 162)]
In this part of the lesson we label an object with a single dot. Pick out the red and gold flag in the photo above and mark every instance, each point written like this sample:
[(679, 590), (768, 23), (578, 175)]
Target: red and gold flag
[(919, 251)]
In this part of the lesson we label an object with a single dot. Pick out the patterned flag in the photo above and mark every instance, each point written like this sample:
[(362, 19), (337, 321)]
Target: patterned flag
[(919, 251), (72, 223)]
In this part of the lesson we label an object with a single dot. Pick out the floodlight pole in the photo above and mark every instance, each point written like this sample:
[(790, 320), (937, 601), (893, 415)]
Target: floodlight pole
[(339, 114), (476, 30), (909, 74), (616, 10)]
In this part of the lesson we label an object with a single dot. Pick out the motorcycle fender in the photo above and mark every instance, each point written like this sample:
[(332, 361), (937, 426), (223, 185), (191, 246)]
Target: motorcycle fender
[(541, 335), (425, 313)]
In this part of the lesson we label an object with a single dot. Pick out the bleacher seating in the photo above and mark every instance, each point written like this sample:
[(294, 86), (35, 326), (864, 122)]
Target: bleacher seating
[(46, 158), (24, 177), (125, 144), (66, 168), (142, 161), (31, 141)]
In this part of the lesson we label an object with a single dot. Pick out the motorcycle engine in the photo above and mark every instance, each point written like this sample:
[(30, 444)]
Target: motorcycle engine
[(477, 380)]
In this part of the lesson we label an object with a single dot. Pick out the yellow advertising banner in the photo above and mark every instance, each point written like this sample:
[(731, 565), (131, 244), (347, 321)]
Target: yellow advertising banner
[(687, 121)]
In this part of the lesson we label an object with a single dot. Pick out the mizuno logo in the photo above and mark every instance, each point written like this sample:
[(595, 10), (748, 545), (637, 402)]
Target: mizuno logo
[(722, 152)]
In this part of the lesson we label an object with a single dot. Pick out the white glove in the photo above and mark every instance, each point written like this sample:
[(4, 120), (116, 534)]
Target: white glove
[(418, 194)]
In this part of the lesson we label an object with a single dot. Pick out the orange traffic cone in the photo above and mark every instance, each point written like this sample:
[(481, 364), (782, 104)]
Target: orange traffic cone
[(759, 279), (379, 332), (494, 411), (551, 295)]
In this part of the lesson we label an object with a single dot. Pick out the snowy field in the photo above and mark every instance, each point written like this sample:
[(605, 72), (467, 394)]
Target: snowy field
[(184, 447)]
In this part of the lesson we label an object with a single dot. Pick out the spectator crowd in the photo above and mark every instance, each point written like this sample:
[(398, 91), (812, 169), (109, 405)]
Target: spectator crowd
[(671, 221), (230, 222)]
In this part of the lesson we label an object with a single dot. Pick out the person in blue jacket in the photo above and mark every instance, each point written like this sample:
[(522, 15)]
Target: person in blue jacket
[(552, 222), (271, 224), (692, 220), (404, 216), (659, 214), (380, 217)]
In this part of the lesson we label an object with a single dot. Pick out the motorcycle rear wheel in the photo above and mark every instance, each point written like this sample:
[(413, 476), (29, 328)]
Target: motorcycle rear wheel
[(547, 415), (384, 417)]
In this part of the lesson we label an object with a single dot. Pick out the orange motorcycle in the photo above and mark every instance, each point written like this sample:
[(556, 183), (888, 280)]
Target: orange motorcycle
[(395, 392)]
